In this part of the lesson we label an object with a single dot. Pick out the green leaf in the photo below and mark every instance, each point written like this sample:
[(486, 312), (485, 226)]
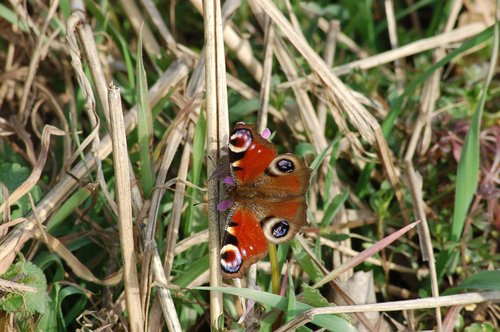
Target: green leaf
[(28, 274), (34, 277), (53, 319), (199, 153), (306, 263), (483, 280), (468, 166), (313, 297), (243, 108), (319, 159), (292, 301), (12, 175), (193, 271), (144, 125), (480, 327), (334, 207)]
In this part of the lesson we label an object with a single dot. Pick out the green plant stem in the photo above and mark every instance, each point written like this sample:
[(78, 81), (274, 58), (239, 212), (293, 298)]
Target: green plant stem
[(275, 273)]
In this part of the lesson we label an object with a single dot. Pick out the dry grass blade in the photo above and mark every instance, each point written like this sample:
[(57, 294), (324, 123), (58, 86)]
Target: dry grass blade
[(22, 232), (76, 266), (135, 16), (124, 203), (328, 56), (78, 23), (424, 233), (391, 24), (174, 138), (7, 286), (35, 59), (32, 180), (167, 303), (180, 187), (265, 85), (419, 46), (157, 20)]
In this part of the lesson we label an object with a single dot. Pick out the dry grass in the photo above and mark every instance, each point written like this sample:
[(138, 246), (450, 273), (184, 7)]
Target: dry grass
[(82, 213)]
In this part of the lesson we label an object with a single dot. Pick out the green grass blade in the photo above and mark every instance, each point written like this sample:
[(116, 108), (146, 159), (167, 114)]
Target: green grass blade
[(333, 207), (68, 207), (144, 125), (483, 280), (468, 167), (195, 174)]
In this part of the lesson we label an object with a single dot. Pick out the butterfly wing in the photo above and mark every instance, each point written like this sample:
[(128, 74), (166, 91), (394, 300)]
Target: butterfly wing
[(251, 225), (249, 154), (243, 242), (269, 195)]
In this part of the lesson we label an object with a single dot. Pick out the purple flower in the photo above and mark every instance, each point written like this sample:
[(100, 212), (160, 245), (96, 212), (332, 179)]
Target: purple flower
[(266, 133)]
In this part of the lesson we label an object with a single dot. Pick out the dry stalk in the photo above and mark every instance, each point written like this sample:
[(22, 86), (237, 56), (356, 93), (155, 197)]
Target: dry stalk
[(323, 24), (217, 126), (77, 23), (265, 84), (240, 46), (173, 141), (180, 187), (393, 37), (191, 241), (124, 203), (7, 286), (328, 57), (136, 19), (158, 21)]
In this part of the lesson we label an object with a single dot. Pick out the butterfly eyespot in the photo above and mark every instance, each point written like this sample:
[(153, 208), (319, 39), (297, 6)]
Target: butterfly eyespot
[(285, 166), (280, 229), (240, 140), (230, 258), (276, 230)]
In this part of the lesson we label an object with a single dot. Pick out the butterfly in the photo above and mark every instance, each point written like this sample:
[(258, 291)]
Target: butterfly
[(268, 191)]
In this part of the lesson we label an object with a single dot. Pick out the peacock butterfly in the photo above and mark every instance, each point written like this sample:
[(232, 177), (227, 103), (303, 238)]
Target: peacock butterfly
[(268, 194)]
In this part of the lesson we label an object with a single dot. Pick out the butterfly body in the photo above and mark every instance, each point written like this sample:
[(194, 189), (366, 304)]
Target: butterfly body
[(269, 199)]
